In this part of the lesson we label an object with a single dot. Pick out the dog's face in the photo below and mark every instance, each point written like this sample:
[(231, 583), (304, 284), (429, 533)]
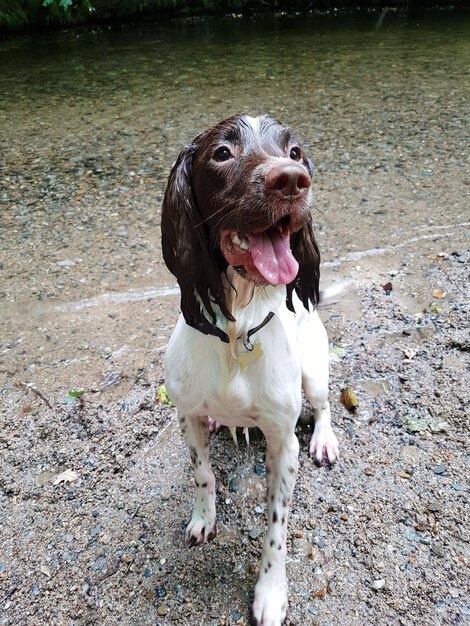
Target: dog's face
[(240, 195), (252, 184)]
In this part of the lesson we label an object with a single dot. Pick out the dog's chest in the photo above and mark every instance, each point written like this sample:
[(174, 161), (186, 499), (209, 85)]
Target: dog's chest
[(232, 384)]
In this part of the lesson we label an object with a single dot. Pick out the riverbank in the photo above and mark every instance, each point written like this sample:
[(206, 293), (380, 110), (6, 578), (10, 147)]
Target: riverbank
[(32, 16)]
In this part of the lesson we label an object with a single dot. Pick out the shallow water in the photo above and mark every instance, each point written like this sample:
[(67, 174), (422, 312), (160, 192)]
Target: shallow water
[(93, 120)]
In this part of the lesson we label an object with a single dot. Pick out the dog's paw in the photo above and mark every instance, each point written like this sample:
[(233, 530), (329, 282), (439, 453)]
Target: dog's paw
[(270, 605), (324, 448), (199, 531)]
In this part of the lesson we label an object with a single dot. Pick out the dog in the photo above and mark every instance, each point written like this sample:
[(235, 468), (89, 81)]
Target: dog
[(237, 233)]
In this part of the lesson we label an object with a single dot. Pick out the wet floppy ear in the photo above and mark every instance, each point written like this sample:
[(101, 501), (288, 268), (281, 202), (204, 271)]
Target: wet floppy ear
[(307, 282), (187, 251)]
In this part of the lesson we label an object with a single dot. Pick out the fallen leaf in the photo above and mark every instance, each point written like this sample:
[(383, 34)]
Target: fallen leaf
[(336, 354), (348, 399), (69, 476), (73, 396), (162, 396)]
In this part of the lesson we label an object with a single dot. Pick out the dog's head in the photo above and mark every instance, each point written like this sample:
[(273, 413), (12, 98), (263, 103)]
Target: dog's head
[(239, 195)]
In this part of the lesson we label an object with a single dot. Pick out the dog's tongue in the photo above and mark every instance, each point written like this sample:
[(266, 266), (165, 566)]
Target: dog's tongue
[(273, 257)]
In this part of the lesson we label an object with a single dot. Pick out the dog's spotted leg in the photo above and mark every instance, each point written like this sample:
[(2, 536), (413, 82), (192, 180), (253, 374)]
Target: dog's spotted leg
[(202, 527), (270, 604)]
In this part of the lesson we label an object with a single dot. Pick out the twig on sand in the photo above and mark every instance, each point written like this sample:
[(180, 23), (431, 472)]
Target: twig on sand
[(35, 390), (10, 592)]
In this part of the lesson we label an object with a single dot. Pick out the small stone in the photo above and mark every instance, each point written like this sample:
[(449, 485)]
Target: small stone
[(437, 551), (254, 533), (378, 584), (439, 469), (95, 531), (260, 469), (368, 471), (403, 475), (434, 506), (344, 517), (233, 485), (162, 610)]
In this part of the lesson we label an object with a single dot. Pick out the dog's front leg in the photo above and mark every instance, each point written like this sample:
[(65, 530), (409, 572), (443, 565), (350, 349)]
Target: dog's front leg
[(202, 527), (270, 604)]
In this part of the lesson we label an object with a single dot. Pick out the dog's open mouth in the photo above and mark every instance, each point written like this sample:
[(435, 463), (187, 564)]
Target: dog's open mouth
[(264, 255)]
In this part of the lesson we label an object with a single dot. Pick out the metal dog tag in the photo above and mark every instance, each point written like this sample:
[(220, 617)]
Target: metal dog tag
[(247, 358)]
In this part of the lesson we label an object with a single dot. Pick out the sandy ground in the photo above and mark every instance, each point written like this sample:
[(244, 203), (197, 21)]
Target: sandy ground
[(87, 306)]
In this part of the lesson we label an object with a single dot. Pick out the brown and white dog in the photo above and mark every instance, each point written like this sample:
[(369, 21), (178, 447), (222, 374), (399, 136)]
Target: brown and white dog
[(237, 233)]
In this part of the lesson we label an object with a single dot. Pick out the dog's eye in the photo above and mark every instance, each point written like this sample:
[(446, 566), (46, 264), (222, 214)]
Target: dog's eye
[(222, 154), (295, 154)]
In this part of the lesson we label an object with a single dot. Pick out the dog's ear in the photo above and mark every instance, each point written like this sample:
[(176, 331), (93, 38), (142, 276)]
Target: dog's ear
[(187, 250), (307, 282)]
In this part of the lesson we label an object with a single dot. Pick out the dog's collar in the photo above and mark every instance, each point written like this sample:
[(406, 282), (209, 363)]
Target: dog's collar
[(247, 336)]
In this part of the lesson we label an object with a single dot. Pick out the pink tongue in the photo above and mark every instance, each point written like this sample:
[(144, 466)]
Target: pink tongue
[(273, 257)]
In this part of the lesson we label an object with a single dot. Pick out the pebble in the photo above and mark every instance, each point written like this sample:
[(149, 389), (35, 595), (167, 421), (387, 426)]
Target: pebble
[(233, 485), (439, 469), (254, 533), (437, 551), (162, 610), (66, 263), (95, 531), (378, 584), (434, 506), (260, 469)]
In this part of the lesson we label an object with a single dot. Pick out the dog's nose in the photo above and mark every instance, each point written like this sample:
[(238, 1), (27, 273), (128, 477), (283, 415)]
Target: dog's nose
[(288, 180)]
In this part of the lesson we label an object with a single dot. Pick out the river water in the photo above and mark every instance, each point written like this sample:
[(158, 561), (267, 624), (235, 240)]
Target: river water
[(92, 120)]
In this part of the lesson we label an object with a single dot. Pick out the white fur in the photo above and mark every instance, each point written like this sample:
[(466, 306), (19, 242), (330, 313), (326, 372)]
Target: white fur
[(204, 377)]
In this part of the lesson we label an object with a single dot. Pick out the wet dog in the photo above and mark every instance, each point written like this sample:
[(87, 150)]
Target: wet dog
[(237, 233)]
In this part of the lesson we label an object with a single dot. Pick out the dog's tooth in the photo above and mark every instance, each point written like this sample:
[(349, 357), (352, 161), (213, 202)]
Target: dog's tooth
[(235, 238), (244, 245)]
